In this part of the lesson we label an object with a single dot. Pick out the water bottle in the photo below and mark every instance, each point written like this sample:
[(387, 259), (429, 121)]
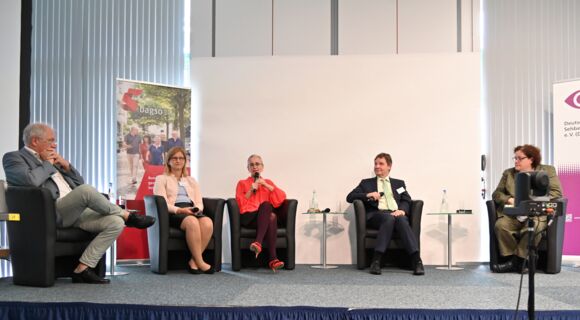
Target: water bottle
[(444, 208), (111, 193), (313, 202)]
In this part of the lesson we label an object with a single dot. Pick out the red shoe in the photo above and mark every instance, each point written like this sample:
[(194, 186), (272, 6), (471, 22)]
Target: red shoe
[(275, 264), (256, 247)]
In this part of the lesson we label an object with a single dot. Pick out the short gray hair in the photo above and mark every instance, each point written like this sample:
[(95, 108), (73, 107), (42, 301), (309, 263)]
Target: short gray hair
[(255, 156), (34, 130)]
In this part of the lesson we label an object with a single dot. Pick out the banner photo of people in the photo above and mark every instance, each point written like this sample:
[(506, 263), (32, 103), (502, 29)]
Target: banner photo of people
[(151, 119)]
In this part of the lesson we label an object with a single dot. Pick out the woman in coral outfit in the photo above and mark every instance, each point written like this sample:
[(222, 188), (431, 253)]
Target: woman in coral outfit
[(259, 200)]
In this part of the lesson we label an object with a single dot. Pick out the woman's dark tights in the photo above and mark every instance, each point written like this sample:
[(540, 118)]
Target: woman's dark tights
[(267, 226)]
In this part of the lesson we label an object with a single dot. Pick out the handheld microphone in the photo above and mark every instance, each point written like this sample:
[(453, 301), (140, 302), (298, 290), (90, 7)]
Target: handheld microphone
[(195, 209), (380, 193), (550, 217), (256, 177)]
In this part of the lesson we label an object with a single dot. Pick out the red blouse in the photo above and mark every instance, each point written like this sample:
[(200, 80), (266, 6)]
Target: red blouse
[(276, 197)]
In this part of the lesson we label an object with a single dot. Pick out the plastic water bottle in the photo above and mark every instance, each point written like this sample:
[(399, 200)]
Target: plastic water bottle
[(444, 208), (111, 193), (313, 202)]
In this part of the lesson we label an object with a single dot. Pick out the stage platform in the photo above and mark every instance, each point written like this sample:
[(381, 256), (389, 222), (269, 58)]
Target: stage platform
[(304, 293)]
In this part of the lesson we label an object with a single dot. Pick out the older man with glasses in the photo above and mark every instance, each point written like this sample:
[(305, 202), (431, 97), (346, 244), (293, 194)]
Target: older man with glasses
[(77, 204)]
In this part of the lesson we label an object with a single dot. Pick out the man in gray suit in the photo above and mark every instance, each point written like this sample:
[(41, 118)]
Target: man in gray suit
[(38, 164)]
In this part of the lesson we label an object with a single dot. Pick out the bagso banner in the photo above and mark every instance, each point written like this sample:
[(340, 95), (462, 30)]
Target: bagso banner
[(151, 119), (566, 102)]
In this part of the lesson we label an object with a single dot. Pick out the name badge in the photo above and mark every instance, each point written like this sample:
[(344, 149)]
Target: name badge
[(400, 190)]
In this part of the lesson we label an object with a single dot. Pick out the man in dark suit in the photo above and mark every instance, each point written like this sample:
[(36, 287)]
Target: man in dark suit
[(387, 205), (79, 205)]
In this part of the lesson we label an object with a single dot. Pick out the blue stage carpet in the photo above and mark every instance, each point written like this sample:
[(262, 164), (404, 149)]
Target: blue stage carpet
[(58, 311)]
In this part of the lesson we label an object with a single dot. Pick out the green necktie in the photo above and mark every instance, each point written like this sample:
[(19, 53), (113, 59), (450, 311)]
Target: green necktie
[(391, 203)]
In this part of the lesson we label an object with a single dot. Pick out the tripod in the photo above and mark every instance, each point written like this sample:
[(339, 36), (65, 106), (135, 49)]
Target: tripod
[(531, 269)]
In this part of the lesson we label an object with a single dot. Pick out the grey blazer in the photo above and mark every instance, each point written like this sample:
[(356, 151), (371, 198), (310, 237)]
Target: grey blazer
[(23, 169)]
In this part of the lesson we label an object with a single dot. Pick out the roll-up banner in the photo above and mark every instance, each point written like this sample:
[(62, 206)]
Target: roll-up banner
[(566, 102), (151, 119)]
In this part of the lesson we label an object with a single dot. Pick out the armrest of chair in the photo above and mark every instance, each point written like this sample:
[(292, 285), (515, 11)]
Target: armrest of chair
[(158, 233), (214, 209), (555, 241), (361, 230), (491, 216), (415, 217), (290, 207), (32, 239), (235, 233), (493, 246)]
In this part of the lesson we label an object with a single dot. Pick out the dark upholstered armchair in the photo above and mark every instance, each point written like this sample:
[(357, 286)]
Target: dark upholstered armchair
[(242, 237), (549, 249), (365, 237), (41, 252), (167, 246)]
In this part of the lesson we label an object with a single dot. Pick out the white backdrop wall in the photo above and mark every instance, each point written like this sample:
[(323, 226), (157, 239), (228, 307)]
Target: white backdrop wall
[(10, 79), (318, 122)]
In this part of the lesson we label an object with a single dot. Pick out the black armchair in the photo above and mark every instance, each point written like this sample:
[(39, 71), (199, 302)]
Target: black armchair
[(366, 238), (40, 251), (549, 249), (242, 237), (167, 246)]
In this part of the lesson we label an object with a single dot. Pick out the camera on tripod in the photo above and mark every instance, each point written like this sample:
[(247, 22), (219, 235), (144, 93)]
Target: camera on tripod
[(532, 196)]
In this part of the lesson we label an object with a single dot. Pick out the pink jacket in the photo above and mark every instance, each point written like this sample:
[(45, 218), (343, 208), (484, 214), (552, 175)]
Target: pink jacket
[(167, 186)]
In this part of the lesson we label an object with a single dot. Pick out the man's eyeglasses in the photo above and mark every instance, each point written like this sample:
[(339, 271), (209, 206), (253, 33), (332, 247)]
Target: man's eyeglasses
[(178, 158), (519, 158), (254, 164)]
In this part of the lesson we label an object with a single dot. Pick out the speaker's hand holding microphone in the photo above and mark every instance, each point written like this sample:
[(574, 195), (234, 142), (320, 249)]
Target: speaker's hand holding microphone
[(374, 196), (255, 185), (550, 212)]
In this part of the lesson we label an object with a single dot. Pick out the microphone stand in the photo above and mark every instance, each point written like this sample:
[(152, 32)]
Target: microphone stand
[(531, 269)]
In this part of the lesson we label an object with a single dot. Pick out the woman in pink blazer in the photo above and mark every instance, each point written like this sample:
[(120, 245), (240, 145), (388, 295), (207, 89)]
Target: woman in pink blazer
[(181, 192)]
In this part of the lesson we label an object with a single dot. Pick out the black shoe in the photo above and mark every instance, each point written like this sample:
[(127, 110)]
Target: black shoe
[(88, 276), (503, 267), (419, 270), (211, 270), (194, 271), (139, 221), (375, 267)]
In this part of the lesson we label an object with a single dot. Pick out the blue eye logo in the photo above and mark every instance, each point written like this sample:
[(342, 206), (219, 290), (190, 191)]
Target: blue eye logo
[(574, 100)]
